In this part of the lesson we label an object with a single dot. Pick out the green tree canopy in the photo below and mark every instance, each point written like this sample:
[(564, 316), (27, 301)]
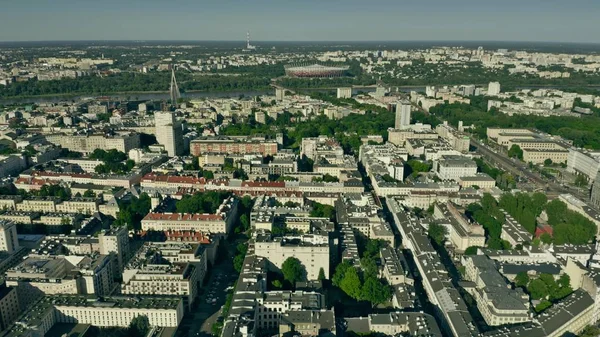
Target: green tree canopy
[(522, 279), (293, 270), (437, 233), (515, 152)]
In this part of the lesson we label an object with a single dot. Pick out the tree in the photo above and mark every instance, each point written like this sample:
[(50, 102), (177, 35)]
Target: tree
[(351, 283), (546, 238), (543, 305), (293, 270), (321, 276), (515, 152), (139, 326), (548, 162), (437, 233), (375, 292), (590, 331), (537, 289), (581, 180), (244, 222), (322, 211), (522, 279), (89, 194), (369, 265), (277, 284), (472, 250), (340, 272)]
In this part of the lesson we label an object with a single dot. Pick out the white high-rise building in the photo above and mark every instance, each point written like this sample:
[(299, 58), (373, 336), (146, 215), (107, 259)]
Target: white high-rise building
[(168, 132), (493, 88), (402, 115), (344, 92), (8, 236)]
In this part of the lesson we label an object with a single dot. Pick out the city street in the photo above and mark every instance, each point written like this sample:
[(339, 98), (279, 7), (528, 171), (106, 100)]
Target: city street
[(210, 301), (519, 168)]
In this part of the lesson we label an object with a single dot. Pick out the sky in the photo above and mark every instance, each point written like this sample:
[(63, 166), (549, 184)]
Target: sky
[(301, 20)]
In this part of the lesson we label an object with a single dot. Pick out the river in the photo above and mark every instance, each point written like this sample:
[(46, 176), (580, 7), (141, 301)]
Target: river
[(159, 96)]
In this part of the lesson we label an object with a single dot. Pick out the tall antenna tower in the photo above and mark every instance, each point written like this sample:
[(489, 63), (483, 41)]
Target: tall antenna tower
[(174, 90), (248, 45)]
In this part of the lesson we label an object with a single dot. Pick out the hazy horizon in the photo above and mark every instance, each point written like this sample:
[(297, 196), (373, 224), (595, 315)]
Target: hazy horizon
[(300, 21)]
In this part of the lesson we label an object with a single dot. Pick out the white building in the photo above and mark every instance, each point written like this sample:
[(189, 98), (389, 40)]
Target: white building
[(402, 115), (455, 167), (312, 250), (493, 89), (344, 92), (8, 237), (169, 132)]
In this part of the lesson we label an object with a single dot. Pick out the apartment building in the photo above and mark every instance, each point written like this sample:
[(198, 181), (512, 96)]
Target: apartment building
[(313, 251), (513, 231), (9, 202), (461, 233), (458, 140), (106, 312), (146, 274), (322, 146), (497, 302), (541, 156), (587, 163), (308, 323), (396, 324), (481, 180), (272, 306), (230, 145), (38, 204), (455, 167), (88, 143), (9, 306), (116, 241), (8, 237), (79, 205), (38, 275)]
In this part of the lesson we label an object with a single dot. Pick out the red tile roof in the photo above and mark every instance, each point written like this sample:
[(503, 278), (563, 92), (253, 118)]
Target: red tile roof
[(182, 217)]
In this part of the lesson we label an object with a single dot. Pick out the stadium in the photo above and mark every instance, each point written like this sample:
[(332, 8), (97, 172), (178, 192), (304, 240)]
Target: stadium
[(314, 70)]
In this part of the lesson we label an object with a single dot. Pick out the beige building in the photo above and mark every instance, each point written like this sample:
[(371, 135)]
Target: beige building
[(169, 132), (9, 306), (497, 302), (9, 202), (115, 240), (455, 167), (312, 250), (79, 205), (145, 275), (220, 222), (36, 276), (87, 144), (461, 232), (38, 204), (540, 156), (8, 237), (481, 180)]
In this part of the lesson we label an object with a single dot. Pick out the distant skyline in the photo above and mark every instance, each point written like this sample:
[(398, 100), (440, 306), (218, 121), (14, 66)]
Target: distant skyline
[(308, 20)]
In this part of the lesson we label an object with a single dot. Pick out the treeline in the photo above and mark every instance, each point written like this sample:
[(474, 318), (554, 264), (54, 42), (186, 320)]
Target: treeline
[(132, 211), (421, 73), (568, 227), (363, 284), (133, 82), (583, 131), (201, 202)]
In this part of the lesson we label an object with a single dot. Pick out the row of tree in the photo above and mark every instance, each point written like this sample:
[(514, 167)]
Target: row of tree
[(544, 288), (201, 202), (134, 82)]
